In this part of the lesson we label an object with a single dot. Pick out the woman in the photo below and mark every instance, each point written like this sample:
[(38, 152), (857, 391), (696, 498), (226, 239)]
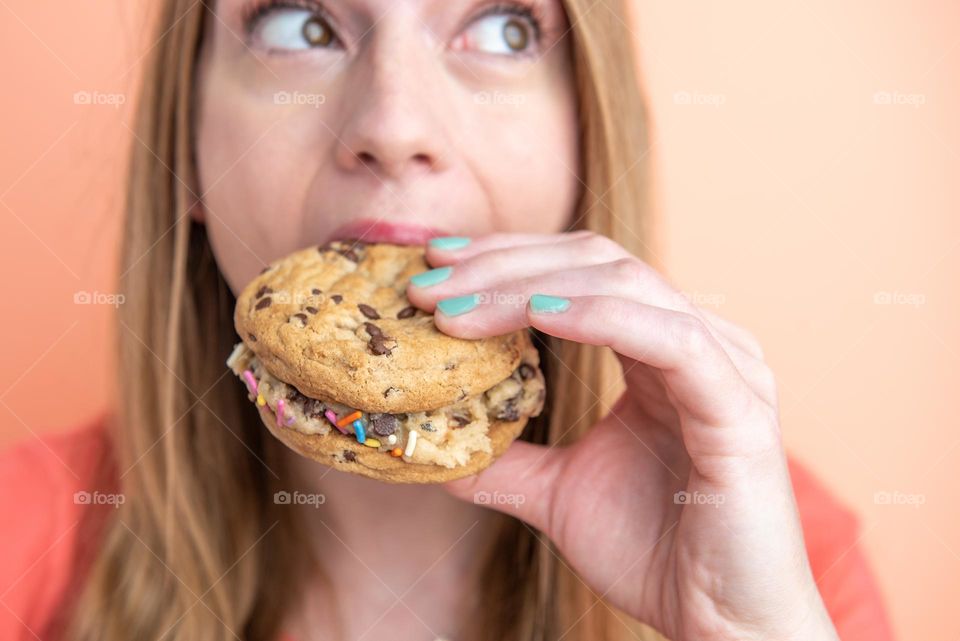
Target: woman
[(509, 139)]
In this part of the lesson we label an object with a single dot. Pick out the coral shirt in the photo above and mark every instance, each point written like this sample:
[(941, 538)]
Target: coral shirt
[(42, 534)]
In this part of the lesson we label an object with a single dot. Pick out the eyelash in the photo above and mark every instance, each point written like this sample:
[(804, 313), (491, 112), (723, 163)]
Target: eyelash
[(531, 11), (259, 8)]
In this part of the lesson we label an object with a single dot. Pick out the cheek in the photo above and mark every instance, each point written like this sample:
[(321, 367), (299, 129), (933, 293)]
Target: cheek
[(254, 168), (528, 157)]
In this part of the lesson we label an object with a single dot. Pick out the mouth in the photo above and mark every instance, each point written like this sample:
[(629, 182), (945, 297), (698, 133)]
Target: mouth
[(372, 230)]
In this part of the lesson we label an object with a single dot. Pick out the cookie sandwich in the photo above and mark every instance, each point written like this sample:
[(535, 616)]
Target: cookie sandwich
[(344, 370)]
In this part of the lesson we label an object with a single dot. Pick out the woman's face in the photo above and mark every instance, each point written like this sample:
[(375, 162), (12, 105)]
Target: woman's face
[(393, 120)]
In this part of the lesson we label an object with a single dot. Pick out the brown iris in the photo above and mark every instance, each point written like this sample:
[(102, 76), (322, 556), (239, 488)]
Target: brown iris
[(515, 35), (317, 32)]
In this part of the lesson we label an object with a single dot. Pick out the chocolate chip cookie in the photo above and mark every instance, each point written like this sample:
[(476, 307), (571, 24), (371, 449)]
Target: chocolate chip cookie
[(345, 371)]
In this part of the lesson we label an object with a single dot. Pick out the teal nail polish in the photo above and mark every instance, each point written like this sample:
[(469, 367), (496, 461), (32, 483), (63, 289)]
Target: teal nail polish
[(458, 305), (431, 277), (449, 242), (543, 304)]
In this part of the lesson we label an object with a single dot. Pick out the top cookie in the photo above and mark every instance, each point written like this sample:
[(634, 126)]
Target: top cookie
[(335, 323)]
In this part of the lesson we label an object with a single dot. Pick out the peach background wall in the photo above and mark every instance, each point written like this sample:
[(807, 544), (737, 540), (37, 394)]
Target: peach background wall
[(807, 185)]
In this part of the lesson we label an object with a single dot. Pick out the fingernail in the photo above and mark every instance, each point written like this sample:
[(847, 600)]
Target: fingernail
[(431, 277), (458, 305), (543, 304), (449, 242)]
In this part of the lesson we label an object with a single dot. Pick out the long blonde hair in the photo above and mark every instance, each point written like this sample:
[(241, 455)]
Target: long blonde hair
[(199, 550)]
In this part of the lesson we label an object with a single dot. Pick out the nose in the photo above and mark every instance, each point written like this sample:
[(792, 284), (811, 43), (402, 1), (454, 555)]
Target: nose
[(392, 123)]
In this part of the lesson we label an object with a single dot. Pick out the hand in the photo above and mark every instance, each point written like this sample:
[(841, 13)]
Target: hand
[(677, 506)]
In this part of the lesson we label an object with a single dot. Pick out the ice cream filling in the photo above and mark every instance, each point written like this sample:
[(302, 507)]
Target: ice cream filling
[(447, 436)]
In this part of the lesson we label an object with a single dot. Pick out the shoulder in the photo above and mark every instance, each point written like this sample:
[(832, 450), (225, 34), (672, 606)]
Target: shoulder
[(832, 532), (46, 489)]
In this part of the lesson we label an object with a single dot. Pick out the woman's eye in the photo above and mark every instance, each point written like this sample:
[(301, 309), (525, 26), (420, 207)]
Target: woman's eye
[(499, 33), (288, 29)]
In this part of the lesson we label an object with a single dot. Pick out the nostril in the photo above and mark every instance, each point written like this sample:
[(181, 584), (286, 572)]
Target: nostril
[(366, 157), (423, 159)]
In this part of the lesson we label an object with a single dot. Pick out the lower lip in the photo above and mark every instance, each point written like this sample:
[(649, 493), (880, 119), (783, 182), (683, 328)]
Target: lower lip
[(374, 231)]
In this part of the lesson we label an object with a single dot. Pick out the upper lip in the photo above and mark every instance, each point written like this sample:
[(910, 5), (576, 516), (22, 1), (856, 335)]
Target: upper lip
[(374, 230)]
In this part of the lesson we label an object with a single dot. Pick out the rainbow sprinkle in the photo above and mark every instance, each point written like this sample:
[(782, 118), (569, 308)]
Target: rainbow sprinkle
[(358, 430), (349, 418), (281, 418), (333, 419), (251, 381)]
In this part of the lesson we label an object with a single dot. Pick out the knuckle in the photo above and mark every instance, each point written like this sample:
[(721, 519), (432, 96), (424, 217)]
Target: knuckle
[(691, 335), (630, 270), (600, 245)]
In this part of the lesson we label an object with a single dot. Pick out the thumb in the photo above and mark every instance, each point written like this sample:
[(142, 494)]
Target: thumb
[(521, 483)]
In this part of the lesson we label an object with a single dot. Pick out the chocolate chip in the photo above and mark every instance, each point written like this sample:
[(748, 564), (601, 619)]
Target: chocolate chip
[(508, 412), (378, 345), (302, 317), (349, 254), (252, 337), (264, 303), (336, 298), (372, 329), (349, 456), (383, 424), (312, 310), (459, 420), (390, 390), (263, 291), (313, 408), (526, 372), (315, 291), (407, 312), (368, 311)]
